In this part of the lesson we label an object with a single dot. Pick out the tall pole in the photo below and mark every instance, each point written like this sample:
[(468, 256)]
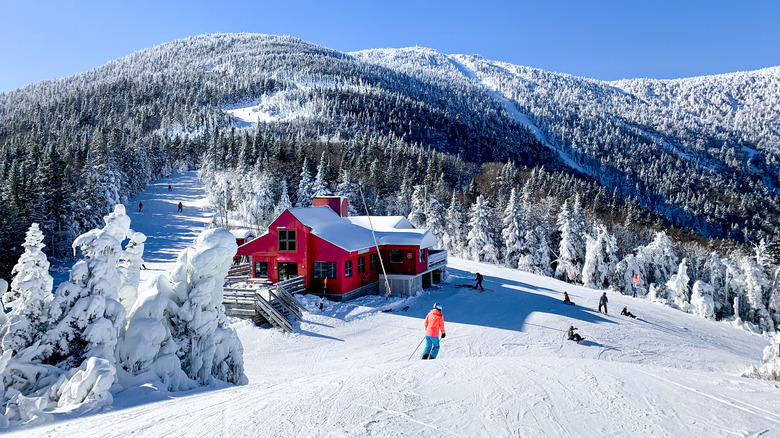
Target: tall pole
[(376, 245)]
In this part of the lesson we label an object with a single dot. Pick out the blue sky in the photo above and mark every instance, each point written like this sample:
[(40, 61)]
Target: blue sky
[(599, 39)]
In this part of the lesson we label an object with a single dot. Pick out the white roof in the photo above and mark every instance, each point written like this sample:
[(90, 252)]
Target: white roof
[(354, 234), (241, 233)]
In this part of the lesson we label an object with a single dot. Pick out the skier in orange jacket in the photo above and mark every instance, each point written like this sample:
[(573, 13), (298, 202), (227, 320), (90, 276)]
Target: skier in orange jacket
[(434, 323)]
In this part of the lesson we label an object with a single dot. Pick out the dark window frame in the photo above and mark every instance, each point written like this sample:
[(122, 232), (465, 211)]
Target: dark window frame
[(347, 268), (394, 256), (361, 264), (287, 240), (324, 270), (258, 274), (372, 261)]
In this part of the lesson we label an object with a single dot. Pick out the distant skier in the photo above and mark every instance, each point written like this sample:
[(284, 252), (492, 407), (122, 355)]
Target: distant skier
[(140, 206), (626, 312), (180, 206), (479, 282), (169, 188), (434, 322), (574, 336), (603, 302), (566, 299)]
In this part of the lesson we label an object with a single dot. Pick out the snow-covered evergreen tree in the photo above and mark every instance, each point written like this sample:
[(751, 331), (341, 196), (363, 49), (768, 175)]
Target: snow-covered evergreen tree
[(480, 246), (571, 250), (177, 334), (658, 258), (702, 303), (417, 214), (73, 364), (679, 287), (303, 197), (625, 271), (434, 217), (130, 263), (320, 185), (600, 258), (346, 189), (513, 231), (454, 238), (29, 296), (757, 291), (284, 200), (537, 256)]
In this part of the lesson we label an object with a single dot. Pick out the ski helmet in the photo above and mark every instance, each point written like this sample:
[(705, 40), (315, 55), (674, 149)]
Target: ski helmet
[(437, 306)]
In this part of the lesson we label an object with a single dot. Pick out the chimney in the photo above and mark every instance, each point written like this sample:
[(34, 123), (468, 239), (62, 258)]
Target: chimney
[(339, 204)]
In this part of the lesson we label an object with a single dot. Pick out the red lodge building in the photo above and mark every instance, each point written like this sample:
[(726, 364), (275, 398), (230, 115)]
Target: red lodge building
[(344, 257)]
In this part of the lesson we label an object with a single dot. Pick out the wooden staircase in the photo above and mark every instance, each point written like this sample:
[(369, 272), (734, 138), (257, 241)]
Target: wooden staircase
[(262, 303)]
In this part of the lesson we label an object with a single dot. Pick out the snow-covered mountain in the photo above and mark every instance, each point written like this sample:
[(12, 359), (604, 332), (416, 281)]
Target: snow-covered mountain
[(699, 153), (505, 367)]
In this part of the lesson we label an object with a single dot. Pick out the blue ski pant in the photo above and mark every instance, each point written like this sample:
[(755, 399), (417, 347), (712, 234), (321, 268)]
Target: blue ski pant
[(431, 346)]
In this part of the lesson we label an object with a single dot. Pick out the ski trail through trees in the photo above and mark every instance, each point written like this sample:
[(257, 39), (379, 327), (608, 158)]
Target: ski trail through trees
[(518, 116), (168, 231)]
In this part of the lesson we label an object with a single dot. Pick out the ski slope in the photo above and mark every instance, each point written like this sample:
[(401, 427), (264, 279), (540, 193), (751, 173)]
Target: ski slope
[(505, 368)]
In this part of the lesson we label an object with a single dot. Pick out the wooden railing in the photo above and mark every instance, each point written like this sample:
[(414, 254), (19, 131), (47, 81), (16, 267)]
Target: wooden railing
[(437, 259), (265, 303)]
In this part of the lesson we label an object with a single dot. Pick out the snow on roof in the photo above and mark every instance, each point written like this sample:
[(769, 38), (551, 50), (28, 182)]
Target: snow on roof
[(241, 233), (354, 234)]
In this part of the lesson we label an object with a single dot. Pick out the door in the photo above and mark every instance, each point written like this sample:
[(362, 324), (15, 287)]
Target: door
[(287, 270)]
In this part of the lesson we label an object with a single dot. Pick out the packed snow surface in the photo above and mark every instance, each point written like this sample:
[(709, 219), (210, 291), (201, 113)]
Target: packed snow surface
[(504, 369)]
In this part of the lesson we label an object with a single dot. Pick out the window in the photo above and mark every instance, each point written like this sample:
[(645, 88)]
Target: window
[(423, 253), (324, 269), (361, 265), (372, 262), (396, 256), (286, 240), (348, 268), (261, 269)]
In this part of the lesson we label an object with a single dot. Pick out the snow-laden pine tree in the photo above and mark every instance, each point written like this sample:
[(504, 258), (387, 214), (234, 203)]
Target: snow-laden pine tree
[(756, 286), (600, 260), (679, 287), (625, 271), (434, 217), (129, 267), (73, 364), (763, 258), (571, 250), (346, 189), (417, 214), (177, 334), (715, 275), (284, 199), (479, 240), (454, 238), (658, 259), (320, 185), (304, 195), (702, 303), (29, 296), (537, 255), (513, 231)]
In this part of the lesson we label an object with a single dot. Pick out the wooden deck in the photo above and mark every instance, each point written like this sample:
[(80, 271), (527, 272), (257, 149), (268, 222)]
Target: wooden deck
[(265, 303)]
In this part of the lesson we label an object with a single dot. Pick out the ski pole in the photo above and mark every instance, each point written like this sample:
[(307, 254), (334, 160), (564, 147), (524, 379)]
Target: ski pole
[(415, 349)]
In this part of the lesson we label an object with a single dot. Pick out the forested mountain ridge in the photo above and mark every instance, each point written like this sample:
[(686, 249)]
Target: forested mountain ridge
[(72, 148), (670, 145)]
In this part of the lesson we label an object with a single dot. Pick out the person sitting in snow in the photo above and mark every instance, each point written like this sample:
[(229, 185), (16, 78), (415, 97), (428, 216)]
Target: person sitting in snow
[(434, 322), (566, 299), (574, 336), (626, 312)]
